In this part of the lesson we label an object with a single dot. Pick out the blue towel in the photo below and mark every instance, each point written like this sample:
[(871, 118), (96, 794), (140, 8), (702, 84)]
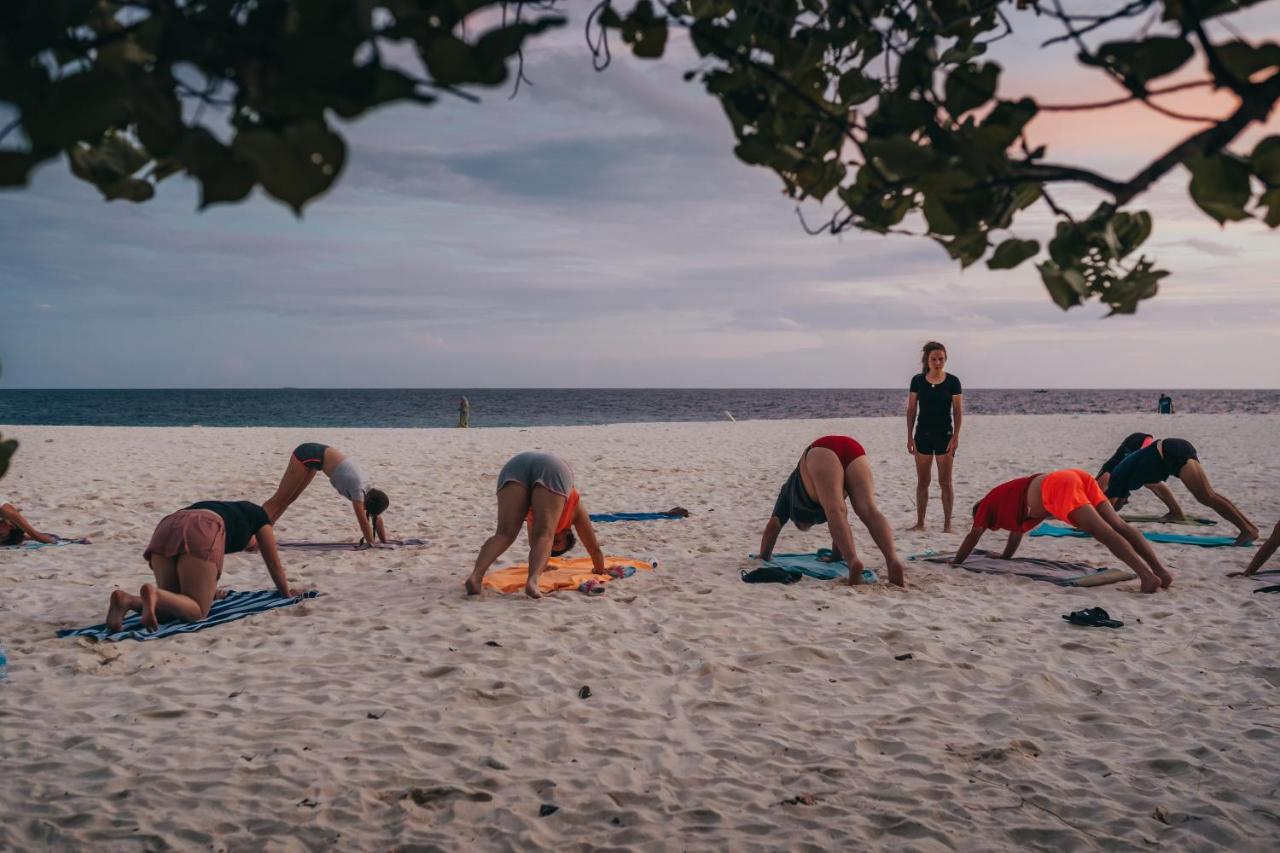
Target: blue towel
[(236, 605), (605, 517), (32, 545), (1176, 538), (810, 566)]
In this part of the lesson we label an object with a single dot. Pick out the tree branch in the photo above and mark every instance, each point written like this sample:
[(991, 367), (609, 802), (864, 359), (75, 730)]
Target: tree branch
[(1115, 102)]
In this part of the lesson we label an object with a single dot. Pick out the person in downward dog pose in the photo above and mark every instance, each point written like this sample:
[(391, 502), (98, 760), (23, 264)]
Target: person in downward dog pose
[(1070, 495), (831, 469), (1174, 457), (1264, 553), (346, 479), (185, 554), (537, 489), (933, 438), (1132, 444), (14, 528)]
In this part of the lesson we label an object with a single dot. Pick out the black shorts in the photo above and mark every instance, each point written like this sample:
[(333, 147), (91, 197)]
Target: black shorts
[(932, 443), (311, 454), (1176, 453)]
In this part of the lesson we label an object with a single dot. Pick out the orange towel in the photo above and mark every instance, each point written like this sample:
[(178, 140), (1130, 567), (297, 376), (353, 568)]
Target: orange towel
[(561, 573)]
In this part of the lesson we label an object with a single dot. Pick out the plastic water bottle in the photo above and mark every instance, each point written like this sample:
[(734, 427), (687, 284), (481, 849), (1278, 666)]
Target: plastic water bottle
[(4, 663)]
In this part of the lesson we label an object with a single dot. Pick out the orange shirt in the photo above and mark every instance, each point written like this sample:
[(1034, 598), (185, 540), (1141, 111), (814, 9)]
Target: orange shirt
[(566, 517)]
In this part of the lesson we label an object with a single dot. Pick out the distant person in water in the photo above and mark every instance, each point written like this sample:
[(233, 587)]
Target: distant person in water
[(537, 489), (14, 528), (1174, 457), (1165, 406), (1264, 553), (1070, 495), (831, 469), (347, 480), (932, 438), (185, 554), (464, 413), (1132, 444)]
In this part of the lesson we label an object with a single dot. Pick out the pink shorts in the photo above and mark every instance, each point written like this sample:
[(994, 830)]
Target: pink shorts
[(1063, 492), (197, 532)]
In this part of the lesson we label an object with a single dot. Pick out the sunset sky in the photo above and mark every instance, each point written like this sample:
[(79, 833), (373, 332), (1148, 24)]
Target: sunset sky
[(597, 231)]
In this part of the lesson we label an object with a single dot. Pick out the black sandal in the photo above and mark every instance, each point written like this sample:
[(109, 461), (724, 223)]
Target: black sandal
[(1094, 617)]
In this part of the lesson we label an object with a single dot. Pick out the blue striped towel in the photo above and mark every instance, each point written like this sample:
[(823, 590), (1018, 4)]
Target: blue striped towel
[(1156, 536), (811, 565), (236, 605), (604, 517)]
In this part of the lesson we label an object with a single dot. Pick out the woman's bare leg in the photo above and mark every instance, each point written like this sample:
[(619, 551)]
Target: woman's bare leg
[(1165, 494), (547, 506), (924, 466), (294, 482), (513, 506), (1264, 553), (1086, 518), (196, 585), (862, 494), (1197, 482), (945, 462), (120, 606), (1137, 540)]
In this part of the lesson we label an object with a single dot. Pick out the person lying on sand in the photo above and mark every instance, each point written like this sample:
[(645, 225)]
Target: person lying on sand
[(14, 528), (344, 476), (185, 554), (537, 489), (1264, 553), (1132, 444), (832, 468), (1070, 495), (1174, 457)]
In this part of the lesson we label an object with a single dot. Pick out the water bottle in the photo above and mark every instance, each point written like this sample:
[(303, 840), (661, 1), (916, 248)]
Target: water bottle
[(4, 662)]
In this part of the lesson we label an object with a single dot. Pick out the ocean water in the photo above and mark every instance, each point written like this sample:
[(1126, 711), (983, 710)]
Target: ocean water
[(494, 407)]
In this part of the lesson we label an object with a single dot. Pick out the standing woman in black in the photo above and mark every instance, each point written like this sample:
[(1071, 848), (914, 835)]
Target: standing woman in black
[(935, 396)]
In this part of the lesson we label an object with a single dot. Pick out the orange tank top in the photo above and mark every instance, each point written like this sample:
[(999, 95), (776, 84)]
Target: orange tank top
[(566, 516)]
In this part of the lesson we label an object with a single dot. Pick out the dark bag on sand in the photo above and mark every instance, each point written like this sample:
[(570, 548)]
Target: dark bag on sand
[(770, 574)]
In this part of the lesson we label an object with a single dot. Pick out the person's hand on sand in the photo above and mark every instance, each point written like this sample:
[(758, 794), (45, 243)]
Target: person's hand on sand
[(45, 538)]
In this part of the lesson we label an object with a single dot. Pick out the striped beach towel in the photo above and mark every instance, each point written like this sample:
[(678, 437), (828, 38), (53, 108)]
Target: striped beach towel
[(236, 605)]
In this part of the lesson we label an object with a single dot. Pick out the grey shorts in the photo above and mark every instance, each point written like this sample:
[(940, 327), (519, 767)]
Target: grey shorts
[(538, 469)]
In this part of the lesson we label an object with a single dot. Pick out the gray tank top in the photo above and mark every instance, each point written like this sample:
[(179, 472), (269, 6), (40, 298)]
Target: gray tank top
[(348, 481)]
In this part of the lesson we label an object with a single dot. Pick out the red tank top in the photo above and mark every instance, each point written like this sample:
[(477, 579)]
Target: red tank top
[(566, 515), (1005, 507)]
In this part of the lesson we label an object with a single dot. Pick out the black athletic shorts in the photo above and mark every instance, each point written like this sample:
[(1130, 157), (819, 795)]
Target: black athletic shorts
[(311, 454), (932, 443), (1176, 453)]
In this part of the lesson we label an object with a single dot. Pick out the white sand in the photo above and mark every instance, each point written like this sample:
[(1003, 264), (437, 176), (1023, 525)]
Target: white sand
[(712, 702)]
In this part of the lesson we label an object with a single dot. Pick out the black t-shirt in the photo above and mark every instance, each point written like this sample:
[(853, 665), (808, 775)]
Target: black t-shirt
[(935, 402), (794, 503), (241, 518)]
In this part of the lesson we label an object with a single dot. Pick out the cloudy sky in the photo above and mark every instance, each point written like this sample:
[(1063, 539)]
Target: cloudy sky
[(597, 231)]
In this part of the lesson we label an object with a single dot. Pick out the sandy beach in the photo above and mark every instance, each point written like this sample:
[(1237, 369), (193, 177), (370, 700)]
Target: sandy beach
[(392, 713)]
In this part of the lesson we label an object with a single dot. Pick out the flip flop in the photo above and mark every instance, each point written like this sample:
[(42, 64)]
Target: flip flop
[(1272, 588), (591, 587), (1093, 617)]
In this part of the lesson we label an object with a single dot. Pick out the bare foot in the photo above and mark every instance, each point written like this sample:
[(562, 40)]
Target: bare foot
[(149, 598), (473, 586), (117, 610), (1166, 579), (1172, 517), (898, 574), (918, 527), (1247, 535), (946, 528), (531, 589), (855, 573), (1150, 583)]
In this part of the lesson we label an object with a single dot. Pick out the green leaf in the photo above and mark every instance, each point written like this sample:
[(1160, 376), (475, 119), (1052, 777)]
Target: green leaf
[(1066, 287), (1143, 61), (970, 86), (296, 165), (1271, 201), (1220, 186), (855, 88), (16, 166), (967, 248), (1012, 252), (1265, 160), (1244, 60), (450, 60), (223, 176)]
